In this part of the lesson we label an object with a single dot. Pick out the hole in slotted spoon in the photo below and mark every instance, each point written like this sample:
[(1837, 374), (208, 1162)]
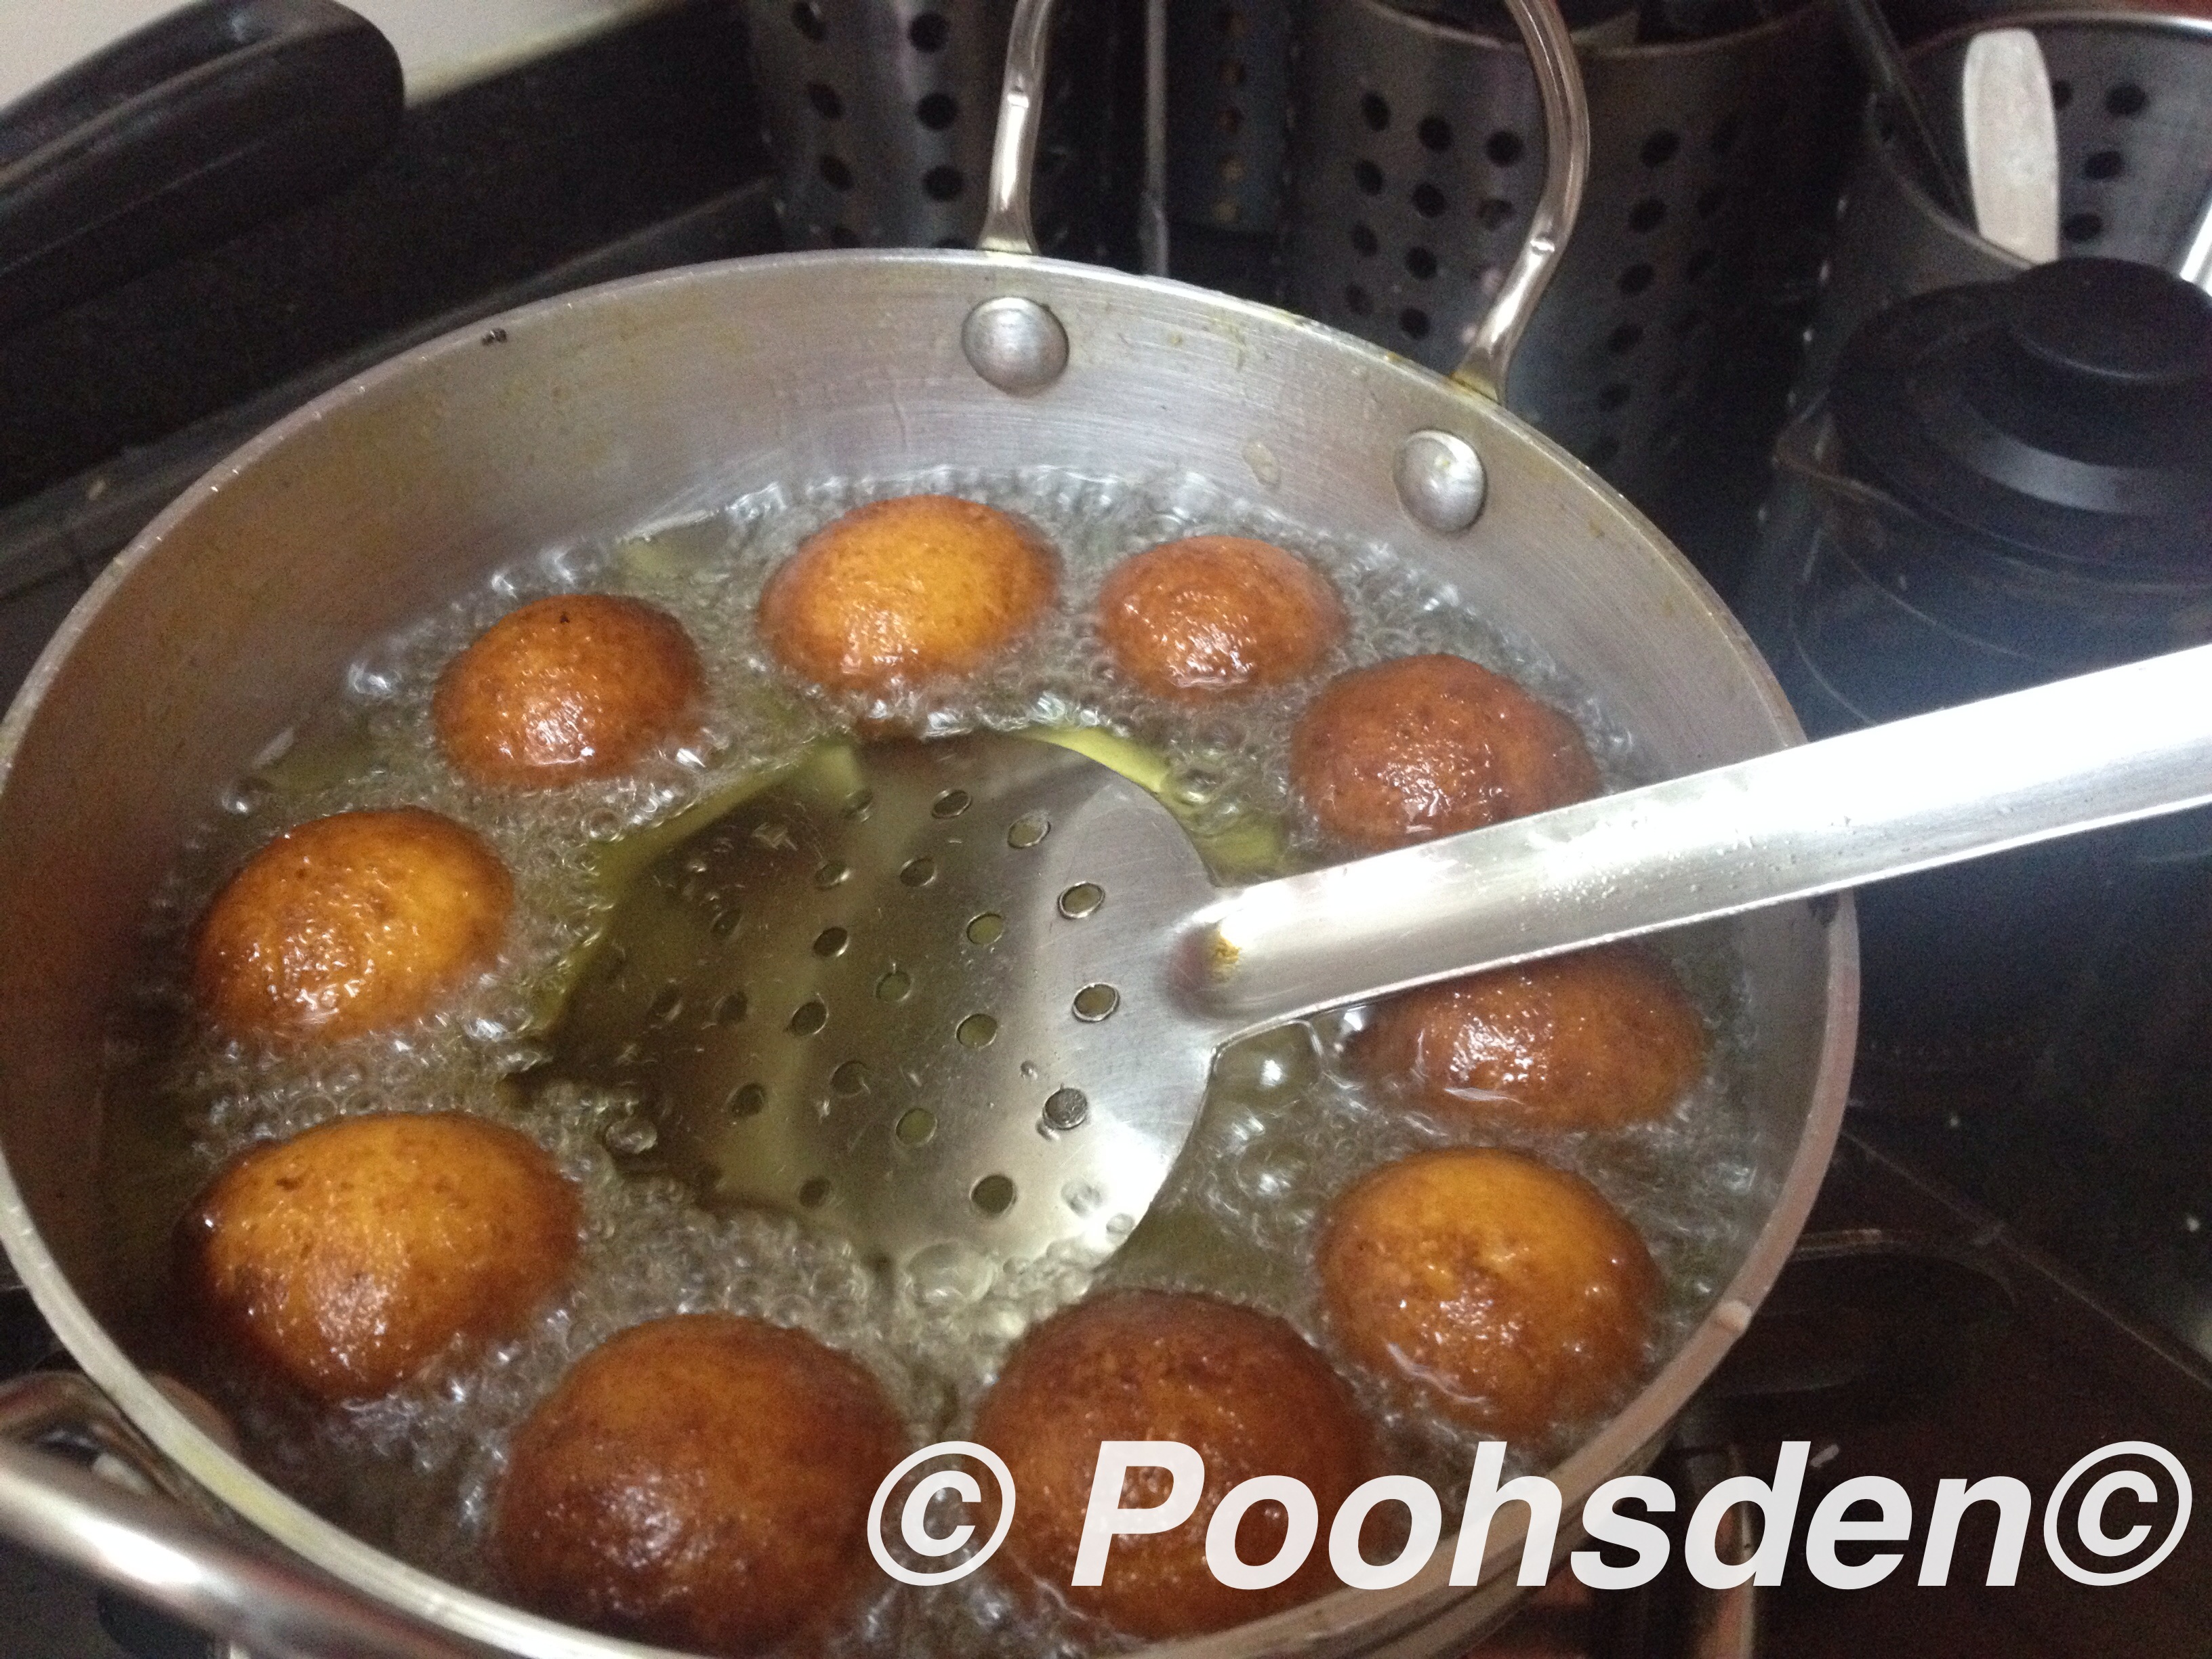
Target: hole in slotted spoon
[(950, 805), (831, 942), (1080, 900), (916, 1125), (918, 873), (894, 987), (1096, 1002), (748, 1100), (1065, 1108), (993, 1194), (976, 1031), (729, 1011), (1027, 832), (814, 1192), (988, 928), (850, 1078), (831, 874), (809, 1017)]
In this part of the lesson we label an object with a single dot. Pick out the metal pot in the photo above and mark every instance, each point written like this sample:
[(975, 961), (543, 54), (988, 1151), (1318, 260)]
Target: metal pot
[(590, 415)]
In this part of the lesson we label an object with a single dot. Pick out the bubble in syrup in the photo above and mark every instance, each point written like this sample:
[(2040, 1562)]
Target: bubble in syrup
[(247, 796), (951, 1272), (628, 1136)]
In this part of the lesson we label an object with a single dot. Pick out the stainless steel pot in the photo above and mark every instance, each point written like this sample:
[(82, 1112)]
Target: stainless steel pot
[(589, 415)]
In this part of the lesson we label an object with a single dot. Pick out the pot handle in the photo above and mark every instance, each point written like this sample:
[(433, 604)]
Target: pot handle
[(168, 1551), (1007, 228)]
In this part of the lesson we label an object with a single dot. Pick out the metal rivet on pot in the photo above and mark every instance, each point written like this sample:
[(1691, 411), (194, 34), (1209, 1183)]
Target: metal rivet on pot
[(1015, 344), (1441, 481)]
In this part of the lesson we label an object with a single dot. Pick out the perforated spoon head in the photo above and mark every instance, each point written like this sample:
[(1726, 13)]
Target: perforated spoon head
[(918, 992)]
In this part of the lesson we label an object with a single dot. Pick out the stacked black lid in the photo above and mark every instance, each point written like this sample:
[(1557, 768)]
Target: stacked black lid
[(2066, 413)]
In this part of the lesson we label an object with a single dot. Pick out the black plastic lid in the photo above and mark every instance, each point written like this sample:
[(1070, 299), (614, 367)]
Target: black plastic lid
[(2067, 412)]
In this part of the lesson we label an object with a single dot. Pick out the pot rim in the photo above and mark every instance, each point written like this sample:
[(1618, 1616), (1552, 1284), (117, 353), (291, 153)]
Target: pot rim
[(1623, 1442)]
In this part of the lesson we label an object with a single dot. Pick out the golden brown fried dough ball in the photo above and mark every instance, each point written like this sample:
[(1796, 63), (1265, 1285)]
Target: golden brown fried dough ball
[(1248, 1392), (906, 591), (701, 1482), (1217, 614), (348, 1258), (357, 922), (1591, 1041), (1427, 746), (580, 685), (1488, 1287)]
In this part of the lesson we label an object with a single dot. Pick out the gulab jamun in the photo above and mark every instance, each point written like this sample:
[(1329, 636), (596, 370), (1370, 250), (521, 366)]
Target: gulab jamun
[(904, 591), (349, 1258), (1250, 1393), (357, 922), (1420, 747), (1489, 1287), (1591, 1041), (578, 686), (701, 1482), (1212, 615)]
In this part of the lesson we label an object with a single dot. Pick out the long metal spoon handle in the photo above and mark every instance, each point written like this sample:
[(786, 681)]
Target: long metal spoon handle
[(2104, 748)]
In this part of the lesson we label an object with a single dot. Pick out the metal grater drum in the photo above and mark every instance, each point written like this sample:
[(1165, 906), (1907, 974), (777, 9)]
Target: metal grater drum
[(880, 115), (1416, 152), (2133, 97)]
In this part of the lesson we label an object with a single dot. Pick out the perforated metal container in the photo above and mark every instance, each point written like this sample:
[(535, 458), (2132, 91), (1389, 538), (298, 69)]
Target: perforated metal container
[(2133, 97), (1415, 152), (1229, 82), (879, 114)]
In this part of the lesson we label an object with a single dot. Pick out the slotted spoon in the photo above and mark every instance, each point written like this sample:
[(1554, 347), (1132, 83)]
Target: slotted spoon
[(959, 998)]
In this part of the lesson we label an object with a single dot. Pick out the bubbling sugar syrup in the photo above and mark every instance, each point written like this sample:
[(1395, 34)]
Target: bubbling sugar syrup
[(1286, 1125)]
